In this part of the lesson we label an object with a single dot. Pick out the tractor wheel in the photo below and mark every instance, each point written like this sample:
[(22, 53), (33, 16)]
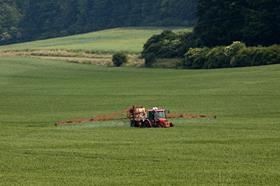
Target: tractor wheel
[(143, 125), (132, 124), (137, 124), (148, 124), (160, 125)]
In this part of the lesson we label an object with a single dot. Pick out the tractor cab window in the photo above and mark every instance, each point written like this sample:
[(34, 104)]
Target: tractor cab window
[(156, 115), (151, 115), (161, 114)]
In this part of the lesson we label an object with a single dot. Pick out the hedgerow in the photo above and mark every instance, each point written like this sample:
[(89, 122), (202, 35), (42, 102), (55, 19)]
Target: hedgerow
[(234, 55)]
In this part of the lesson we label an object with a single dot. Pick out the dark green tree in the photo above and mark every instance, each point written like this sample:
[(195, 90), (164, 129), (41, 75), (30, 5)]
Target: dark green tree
[(119, 59), (262, 22), (253, 21), (9, 21)]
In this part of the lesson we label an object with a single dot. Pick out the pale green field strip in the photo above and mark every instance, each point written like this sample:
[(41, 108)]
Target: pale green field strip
[(112, 40), (240, 147)]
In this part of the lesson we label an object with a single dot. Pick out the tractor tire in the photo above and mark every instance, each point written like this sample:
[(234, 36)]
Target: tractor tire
[(137, 124), (148, 124), (143, 125), (132, 124)]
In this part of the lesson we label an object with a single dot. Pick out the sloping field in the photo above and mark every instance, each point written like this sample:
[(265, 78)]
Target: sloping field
[(240, 147), (112, 40)]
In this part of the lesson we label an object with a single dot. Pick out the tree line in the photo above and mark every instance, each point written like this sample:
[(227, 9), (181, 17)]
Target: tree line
[(33, 19), (219, 22), (254, 23)]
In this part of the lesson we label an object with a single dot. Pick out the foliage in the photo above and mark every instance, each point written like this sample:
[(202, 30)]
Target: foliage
[(195, 58), (256, 56), (223, 21), (219, 22), (234, 48), (9, 21), (150, 60), (119, 59), (168, 44), (188, 40), (234, 55)]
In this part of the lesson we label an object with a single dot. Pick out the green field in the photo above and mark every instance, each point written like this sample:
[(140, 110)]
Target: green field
[(240, 147), (112, 40)]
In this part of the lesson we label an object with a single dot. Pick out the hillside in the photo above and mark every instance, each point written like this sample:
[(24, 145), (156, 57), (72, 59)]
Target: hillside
[(112, 40), (33, 19), (239, 147)]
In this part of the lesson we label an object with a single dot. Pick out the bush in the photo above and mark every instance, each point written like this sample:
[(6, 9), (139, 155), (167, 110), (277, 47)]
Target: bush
[(256, 56), (265, 56), (216, 58), (241, 59), (188, 40), (119, 59), (167, 45), (234, 55), (234, 48), (195, 58), (274, 54), (150, 60)]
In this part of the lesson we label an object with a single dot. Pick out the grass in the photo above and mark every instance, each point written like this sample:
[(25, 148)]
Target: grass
[(240, 147), (106, 41)]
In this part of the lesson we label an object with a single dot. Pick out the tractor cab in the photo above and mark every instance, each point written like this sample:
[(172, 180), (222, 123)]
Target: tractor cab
[(156, 114), (157, 118)]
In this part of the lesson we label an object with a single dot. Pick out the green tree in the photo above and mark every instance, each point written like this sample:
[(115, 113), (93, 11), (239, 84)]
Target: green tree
[(119, 59), (9, 20), (254, 22), (262, 23), (165, 45)]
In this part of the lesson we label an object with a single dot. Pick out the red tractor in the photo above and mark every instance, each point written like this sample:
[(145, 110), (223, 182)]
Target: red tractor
[(152, 118)]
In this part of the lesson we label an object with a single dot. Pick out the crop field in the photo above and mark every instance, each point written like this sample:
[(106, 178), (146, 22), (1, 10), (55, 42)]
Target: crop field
[(240, 147), (105, 41)]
